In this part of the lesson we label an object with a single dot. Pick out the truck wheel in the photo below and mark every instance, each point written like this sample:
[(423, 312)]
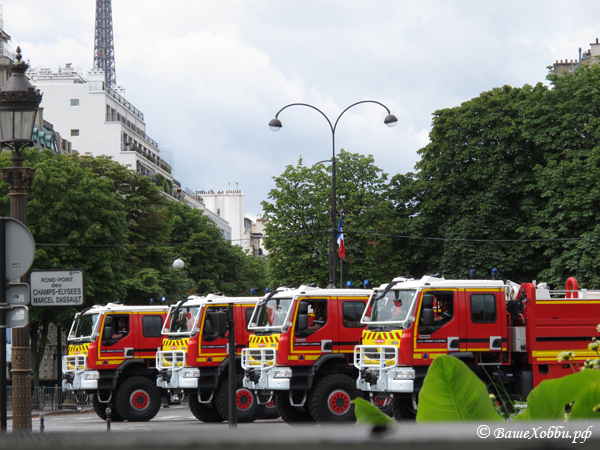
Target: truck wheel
[(331, 399), (138, 399), (247, 406), (269, 411), (402, 409), (100, 410), (291, 414), (205, 412)]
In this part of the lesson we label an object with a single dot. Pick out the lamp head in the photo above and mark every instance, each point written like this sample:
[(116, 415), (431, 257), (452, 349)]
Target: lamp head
[(275, 124), (178, 264), (19, 104), (391, 120)]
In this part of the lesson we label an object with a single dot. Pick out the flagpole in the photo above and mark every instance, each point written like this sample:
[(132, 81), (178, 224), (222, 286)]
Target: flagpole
[(341, 273)]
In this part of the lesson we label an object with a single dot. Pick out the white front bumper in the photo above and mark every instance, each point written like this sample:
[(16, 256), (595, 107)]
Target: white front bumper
[(386, 382), (74, 367), (177, 381)]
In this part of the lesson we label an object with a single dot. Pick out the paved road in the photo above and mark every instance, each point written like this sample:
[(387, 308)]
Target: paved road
[(176, 417)]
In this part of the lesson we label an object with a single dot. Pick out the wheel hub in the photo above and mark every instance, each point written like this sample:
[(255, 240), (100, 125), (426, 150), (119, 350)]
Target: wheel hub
[(139, 399), (244, 399), (338, 402)]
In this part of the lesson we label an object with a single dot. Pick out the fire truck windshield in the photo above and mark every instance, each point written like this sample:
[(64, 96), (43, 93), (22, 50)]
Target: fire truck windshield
[(271, 314), (83, 327), (182, 320), (393, 307)]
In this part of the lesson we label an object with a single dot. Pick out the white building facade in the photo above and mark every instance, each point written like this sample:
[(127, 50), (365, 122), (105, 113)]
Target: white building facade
[(98, 119)]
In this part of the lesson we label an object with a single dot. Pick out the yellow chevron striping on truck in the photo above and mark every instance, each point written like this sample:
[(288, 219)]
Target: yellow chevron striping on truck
[(381, 337), (175, 344), (271, 341)]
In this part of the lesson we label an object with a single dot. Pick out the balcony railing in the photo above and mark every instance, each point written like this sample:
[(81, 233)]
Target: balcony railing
[(96, 86), (116, 117), (128, 147)]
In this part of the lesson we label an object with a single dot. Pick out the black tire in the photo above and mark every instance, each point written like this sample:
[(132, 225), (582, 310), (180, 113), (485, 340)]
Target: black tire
[(331, 399), (138, 399), (402, 409), (248, 407), (291, 414), (100, 410), (269, 411), (205, 412)]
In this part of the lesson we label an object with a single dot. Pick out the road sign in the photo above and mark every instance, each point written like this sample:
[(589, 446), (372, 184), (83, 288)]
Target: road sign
[(16, 316), (17, 294), (57, 287), (20, 249)]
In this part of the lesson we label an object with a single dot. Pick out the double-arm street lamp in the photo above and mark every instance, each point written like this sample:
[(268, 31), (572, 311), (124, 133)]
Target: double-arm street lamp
[(19, 103), (275, 125)]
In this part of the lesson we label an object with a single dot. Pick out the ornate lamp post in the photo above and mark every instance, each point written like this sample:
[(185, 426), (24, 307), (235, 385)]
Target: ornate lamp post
[(19, 103), (275, 125)]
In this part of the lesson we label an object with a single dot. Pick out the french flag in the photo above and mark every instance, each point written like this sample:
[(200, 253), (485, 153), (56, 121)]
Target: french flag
[(340, 241)]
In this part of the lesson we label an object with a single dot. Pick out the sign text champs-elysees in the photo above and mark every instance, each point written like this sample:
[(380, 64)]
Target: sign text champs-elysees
[(57, 287)]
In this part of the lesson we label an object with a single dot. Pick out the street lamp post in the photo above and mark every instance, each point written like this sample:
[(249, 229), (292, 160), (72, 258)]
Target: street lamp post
[(275, 125), (19, 103)]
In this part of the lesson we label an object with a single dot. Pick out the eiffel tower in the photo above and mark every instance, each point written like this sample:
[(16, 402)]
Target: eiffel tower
[(104, 48)]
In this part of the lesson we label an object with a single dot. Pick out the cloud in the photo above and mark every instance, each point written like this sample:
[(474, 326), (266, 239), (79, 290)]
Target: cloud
[(210, 75)]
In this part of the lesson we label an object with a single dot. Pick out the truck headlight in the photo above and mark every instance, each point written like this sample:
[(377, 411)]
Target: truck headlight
[(404, 374), (191, 373), (285, 372), (92, 375)]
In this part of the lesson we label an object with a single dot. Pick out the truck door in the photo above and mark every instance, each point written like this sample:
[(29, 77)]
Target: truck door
[(150, 338), (443, 336), (309, 344), (485, 326), (350, 311), (212, 348), (118, 338)]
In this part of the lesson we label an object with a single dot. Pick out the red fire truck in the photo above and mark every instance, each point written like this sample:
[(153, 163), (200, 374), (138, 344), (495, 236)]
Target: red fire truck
[(301, 352), (194, 359), (508, 334), (111, 354)]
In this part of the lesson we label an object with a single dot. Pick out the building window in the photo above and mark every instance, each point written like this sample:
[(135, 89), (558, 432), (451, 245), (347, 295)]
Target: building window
[(74, 102), (74, 132)]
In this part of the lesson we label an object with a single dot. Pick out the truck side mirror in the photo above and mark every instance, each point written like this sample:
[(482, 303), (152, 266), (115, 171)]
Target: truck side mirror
[(108, 328), (428, 301), (303, 308), (218, 321), (428, 319), (302, 322)]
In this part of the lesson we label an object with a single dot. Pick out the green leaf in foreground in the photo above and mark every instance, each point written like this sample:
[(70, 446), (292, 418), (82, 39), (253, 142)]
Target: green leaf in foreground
[(452, 392), (587, 403), (368, 414), (549, 398)]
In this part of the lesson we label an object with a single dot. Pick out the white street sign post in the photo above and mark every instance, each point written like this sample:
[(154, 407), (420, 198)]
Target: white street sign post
[(57, 287)]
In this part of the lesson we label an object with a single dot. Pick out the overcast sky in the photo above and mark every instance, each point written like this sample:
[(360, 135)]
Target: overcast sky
[(210, 75)]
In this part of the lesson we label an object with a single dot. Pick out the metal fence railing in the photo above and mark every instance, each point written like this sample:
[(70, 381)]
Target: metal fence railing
[(53, 398)]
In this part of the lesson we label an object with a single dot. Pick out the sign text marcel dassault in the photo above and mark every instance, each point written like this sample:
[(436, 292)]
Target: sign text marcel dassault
[(57, 287)]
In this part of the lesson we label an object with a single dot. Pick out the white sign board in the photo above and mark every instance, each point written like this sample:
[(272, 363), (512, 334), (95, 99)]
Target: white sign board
[(17, 294), (57, 287), (20, 249), (17, 317)]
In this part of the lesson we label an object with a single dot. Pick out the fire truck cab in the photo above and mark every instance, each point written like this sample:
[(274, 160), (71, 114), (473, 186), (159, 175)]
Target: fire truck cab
[(301, 352), (194, 359), (111, 354), (505, 332)]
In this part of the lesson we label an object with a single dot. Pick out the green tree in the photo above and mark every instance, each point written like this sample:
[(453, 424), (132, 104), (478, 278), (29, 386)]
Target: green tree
[(299, 223), (77, 222), (211, 262), (475, 187), (565, 123)]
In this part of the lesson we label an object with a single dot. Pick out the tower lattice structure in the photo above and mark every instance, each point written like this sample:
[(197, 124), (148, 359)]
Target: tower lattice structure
[(104, 48)]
